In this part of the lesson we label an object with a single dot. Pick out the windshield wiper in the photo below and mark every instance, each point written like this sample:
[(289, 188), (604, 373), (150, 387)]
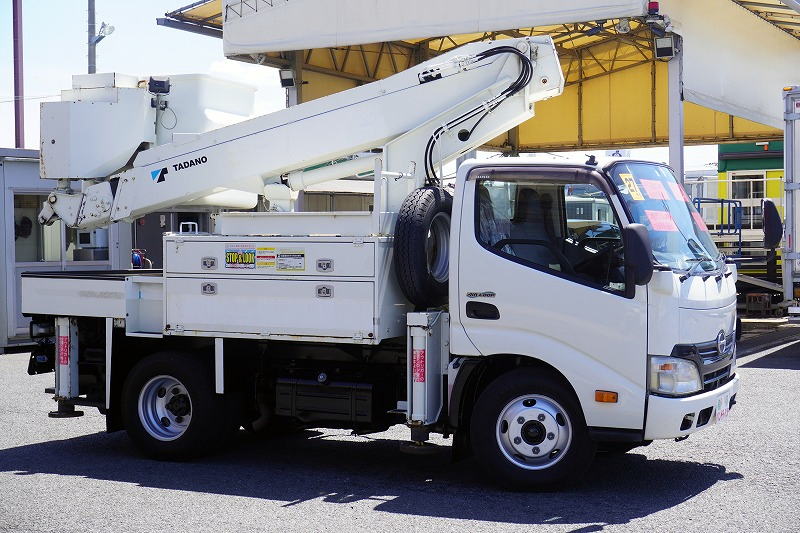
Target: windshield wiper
[(698, 250)]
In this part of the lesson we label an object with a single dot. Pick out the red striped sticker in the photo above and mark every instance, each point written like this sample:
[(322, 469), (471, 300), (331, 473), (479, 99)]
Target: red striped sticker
[(679, 192), (661, 220), (655, 190), (418, 366), (63, 349), (699, 220)]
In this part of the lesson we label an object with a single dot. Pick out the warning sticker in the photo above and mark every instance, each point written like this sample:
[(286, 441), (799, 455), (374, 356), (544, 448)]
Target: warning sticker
[(290, 260), (661, 220), (633, 189), (418, 365), (63, 349), (265, 257), (655, 190), (240, 255), (678, 192)]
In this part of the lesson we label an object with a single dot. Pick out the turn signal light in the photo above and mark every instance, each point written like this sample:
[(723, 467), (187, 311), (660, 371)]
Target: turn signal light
[(605, 396)]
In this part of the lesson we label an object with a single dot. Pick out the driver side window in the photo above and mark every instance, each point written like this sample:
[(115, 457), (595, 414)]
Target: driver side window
[(566, 229)]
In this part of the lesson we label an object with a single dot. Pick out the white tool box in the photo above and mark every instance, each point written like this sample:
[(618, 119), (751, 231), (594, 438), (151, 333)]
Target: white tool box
[(290, 288)]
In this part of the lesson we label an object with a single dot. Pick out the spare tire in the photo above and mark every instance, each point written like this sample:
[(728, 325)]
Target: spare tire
[(422, 246)]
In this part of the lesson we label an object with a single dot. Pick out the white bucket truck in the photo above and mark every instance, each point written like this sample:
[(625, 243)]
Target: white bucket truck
[(535, 312)]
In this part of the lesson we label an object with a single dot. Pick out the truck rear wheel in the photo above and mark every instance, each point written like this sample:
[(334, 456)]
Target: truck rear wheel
[(422, 246), (170, 408), (528, 431)]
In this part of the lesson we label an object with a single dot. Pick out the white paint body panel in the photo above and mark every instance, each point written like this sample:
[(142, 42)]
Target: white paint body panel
[(81, 137), (266, 301), (77, 144), (270, 306), (346, 223), (328, 259), (693, 311), (664, 415), (144, 300), (73, 297), (397, 114), (596, 339)]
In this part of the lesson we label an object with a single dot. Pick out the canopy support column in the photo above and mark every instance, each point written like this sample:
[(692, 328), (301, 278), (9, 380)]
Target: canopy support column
[(675, 98), (294, 95), (513, 141)]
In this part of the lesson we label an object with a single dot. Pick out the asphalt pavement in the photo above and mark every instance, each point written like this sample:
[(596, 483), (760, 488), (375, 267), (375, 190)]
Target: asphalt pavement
[(69, 475)]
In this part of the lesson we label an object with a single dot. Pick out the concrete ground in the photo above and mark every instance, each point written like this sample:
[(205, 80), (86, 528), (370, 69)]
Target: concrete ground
[(68, 475)]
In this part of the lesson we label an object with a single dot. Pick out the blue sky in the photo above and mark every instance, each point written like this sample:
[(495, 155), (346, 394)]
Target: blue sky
[(54, 33)]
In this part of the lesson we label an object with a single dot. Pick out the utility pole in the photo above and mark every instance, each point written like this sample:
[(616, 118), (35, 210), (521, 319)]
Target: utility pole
[(95, 37), (92, 42), (19, 86)]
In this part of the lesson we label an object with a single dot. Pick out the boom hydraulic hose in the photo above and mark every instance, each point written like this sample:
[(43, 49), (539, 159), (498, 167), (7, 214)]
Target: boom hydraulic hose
[(481, 111)]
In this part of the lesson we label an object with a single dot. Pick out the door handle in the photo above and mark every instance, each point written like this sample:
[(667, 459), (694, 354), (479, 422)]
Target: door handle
[(482, 311)]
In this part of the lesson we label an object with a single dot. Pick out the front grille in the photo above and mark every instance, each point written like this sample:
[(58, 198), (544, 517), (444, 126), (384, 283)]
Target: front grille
[(708, 350), (714, 366), (716, 379)]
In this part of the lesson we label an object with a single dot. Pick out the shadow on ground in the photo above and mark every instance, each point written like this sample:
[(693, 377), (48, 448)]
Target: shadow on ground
[(787, 358), (293, 469)]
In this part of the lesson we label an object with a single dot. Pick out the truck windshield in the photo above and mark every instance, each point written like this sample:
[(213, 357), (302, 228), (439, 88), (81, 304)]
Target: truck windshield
[(679, 237)]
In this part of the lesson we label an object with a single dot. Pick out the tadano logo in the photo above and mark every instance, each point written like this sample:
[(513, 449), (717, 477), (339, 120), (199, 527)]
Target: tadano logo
[(158, 175)]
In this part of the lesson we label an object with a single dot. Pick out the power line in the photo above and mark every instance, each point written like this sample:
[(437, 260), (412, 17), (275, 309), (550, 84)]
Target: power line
[(13, 99)]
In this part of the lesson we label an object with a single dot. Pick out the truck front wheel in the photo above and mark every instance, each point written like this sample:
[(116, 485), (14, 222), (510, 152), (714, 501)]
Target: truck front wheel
[(528, 431), (170, 408)]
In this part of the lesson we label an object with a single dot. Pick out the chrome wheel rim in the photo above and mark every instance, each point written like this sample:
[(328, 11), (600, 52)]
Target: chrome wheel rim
[(437, 247), (534, 432), (165, 408)]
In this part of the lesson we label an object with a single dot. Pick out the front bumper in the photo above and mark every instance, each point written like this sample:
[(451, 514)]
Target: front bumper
[(668, 418)]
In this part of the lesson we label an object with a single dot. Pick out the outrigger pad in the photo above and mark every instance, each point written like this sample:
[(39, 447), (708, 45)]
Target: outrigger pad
[(65, 410)]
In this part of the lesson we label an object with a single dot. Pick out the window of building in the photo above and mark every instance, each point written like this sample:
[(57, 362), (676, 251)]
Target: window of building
[(34, 242), (749, 187)]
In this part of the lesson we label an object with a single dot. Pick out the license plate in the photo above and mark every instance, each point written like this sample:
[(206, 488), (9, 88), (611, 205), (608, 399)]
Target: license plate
[(723, 407)]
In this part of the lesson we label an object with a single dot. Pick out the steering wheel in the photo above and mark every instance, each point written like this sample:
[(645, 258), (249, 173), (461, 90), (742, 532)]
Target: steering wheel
[(601, 252), (562, 259)]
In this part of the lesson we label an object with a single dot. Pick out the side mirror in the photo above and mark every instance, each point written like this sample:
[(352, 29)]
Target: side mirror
[(773, 227), (638, 254)]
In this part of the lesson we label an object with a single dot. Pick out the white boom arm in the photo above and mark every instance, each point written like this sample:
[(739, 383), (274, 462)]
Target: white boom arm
[(419, 118)]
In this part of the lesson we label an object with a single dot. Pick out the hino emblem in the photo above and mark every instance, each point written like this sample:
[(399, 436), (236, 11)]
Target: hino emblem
[(721, 342)]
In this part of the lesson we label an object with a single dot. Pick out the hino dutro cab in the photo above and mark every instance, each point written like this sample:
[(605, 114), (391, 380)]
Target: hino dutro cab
[(536, 313)]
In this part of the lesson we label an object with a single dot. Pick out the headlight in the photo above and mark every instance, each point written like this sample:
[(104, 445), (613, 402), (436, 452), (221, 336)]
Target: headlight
[(673, 376)]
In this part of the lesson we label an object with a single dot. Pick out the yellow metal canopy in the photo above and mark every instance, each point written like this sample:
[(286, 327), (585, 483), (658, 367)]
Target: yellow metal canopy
[(615, 96), (205, 12)]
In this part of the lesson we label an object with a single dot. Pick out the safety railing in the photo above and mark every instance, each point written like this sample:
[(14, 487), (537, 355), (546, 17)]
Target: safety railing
[(751, 192), (242, 8)]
